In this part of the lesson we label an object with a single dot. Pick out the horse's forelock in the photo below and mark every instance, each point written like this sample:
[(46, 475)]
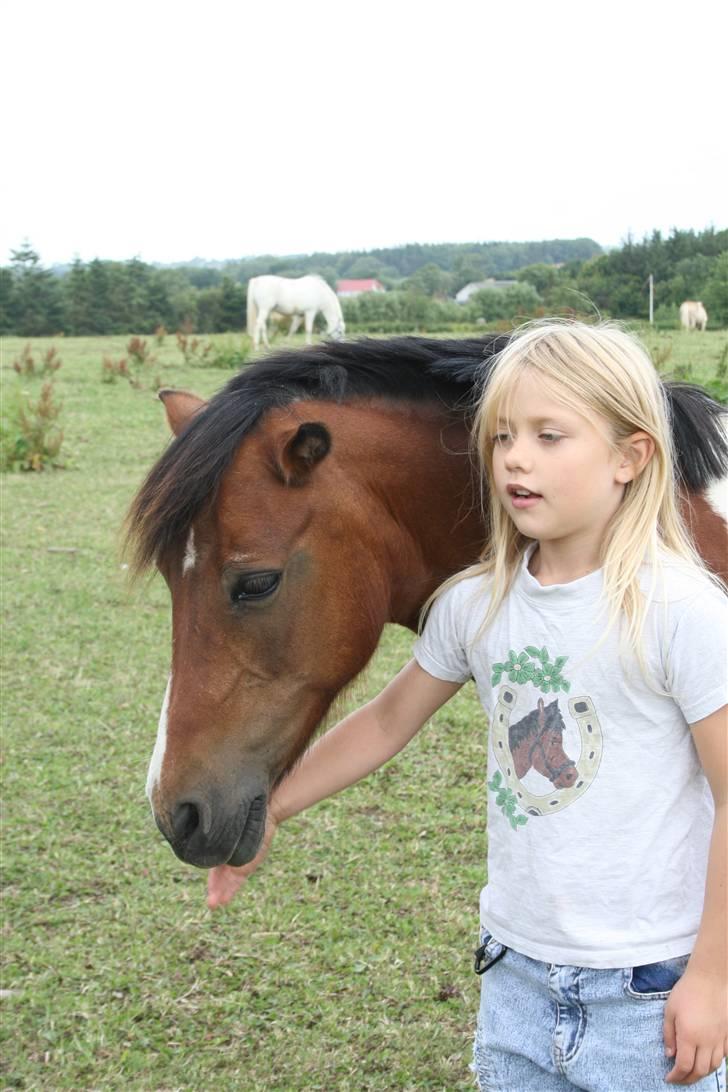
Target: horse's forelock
[(183, 481)]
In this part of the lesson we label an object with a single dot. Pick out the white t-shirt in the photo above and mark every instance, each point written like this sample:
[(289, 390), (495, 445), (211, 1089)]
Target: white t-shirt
[(599, 813)]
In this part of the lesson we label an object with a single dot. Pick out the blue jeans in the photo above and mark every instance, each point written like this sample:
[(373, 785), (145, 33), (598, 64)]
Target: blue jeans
[(549, 1028)]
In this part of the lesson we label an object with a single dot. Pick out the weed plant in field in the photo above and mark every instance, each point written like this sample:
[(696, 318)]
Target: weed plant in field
[(231, 353), (25, 364), (134, 368), (111, 369), (660, 354), (139, 352), (224, 352), (193, 349), (30, 435)]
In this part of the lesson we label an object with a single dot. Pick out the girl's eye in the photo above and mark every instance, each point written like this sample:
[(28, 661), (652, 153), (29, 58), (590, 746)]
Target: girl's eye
[(550, 437), (502, 438), (257, 586)]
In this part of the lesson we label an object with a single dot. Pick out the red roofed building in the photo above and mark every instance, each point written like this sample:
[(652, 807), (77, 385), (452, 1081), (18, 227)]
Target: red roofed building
[(355, 288)]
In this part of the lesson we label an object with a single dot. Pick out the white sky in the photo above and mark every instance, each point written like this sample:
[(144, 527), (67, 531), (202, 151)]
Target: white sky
[(224, 129)]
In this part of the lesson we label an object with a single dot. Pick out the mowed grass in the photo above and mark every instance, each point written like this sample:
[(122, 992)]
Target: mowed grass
[(346, 961)]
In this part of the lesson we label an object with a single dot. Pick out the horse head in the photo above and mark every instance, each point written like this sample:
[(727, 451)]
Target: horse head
[(547, 752), (280, 585)]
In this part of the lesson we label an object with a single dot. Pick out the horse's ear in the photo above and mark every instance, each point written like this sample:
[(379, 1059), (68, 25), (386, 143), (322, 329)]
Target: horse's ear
[(298, 452), (180, 407)]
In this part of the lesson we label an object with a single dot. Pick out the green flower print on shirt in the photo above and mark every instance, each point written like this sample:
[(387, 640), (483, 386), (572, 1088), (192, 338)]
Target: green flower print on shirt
[(505, 800), (521, 668), (518, 668)]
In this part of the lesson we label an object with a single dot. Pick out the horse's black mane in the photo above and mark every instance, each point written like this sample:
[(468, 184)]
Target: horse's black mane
[(187, 475)]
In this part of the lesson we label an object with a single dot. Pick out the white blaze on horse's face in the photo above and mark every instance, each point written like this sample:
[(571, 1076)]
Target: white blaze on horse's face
[(155, 765), (190, 553)]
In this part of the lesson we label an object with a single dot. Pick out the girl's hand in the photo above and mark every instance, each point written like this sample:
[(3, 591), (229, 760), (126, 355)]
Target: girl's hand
[(224, 880), (696, 1026), (361, 743)]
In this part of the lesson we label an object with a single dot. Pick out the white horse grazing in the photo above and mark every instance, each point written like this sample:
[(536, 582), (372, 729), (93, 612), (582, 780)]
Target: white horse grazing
[(693, 315), (293, 296)]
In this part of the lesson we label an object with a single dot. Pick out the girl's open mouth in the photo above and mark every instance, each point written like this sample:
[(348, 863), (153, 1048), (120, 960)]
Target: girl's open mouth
[(522, 498)]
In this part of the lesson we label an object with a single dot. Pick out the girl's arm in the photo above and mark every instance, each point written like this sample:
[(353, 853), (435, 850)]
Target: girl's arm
[(696, 1014), (359, 744)]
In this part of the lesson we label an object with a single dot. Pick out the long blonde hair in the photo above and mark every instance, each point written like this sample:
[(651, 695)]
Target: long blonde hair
[(604, 373)]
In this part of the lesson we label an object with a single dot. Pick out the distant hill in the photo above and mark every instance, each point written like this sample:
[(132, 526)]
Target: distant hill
[(467, 261)]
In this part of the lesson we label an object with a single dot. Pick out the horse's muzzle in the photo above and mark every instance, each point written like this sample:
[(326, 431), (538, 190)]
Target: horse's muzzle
[(204, 835)]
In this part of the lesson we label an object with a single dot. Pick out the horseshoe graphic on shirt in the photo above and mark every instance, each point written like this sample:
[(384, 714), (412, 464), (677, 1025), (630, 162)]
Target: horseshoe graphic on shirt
[(534, 741)]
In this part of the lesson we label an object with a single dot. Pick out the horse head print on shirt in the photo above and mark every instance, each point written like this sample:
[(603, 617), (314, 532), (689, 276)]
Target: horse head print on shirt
[(536, 740)]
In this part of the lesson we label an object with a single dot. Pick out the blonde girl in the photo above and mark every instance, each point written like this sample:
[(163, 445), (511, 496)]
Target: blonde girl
[(598, 645)]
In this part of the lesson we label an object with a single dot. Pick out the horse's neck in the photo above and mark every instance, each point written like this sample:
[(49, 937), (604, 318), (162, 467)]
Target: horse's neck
[(707, 522), (431, 525), (331, 311)]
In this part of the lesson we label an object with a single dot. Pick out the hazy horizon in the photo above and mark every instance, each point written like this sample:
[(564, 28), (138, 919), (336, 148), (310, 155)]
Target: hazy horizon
[(203, 259)]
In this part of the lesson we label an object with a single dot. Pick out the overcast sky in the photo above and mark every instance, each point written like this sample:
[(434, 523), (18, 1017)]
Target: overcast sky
[(224, 129)]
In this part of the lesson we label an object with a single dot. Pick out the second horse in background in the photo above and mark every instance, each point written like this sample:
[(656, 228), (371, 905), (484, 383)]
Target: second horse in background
[(294, 296)]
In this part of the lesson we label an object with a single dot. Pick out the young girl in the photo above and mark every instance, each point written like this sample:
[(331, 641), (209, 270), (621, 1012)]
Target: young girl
[(597, 643)]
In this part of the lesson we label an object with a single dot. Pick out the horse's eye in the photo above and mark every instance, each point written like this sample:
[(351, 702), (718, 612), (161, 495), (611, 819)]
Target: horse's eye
[(254, 587)]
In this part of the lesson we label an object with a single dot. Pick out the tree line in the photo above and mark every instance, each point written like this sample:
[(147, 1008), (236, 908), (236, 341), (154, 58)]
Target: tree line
[(551, 277)]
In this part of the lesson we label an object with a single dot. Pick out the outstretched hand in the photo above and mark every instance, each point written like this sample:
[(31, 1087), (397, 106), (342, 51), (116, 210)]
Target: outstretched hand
[(224, 880)]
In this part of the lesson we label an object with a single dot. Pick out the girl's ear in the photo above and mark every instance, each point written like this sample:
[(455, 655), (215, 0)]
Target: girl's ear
[(637, 450)]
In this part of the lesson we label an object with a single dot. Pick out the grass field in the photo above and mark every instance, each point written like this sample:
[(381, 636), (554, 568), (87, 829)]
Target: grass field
[(346, 962)]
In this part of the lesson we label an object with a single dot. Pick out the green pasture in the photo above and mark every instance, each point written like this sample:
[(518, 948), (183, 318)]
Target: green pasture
[(346, 962)]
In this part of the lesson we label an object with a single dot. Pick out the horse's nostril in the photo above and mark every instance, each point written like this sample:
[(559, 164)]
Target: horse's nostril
[(185, 822)]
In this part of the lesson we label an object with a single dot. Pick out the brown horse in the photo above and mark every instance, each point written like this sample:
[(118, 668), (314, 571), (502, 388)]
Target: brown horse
[(537, 741), (317, 496)]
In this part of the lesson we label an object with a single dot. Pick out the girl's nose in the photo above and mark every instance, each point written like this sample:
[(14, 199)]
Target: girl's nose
[(517, 456)]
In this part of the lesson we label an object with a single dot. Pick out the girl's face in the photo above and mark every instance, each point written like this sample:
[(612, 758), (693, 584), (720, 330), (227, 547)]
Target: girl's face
[(555, 473)]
